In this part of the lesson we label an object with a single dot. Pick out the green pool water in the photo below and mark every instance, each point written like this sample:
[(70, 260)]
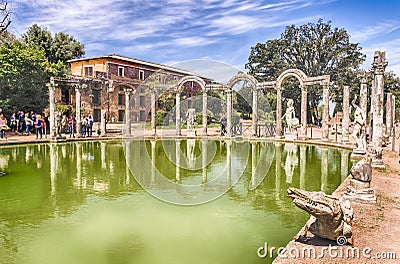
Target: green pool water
[(80, 203)]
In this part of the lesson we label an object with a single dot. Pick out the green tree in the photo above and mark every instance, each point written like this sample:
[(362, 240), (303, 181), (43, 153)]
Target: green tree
[(60, 48), (24, 71), (314, 48)]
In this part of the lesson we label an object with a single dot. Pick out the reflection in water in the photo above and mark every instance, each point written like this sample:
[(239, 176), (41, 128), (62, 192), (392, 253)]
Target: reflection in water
[(291, 161), (49, 212)]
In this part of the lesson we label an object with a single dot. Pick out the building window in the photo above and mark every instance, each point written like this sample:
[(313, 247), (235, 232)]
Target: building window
[(88, 71), (142, 116), (121, 115), (96, 115), (121, 71), (96, 97), (121, 99), (141, 75), (142, 101), (142, 90)]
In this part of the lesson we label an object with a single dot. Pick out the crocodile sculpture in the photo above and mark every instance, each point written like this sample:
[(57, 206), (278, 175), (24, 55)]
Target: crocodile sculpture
[(330, 216)]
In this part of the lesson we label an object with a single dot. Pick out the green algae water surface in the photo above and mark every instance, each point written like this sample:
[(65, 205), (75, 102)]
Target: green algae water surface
[(79, 202)]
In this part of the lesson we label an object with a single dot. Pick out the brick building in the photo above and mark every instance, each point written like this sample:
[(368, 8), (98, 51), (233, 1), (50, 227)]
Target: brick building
[(119, 73)]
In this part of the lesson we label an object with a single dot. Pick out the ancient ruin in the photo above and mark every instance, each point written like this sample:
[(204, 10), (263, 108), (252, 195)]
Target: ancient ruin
[(330, 216)]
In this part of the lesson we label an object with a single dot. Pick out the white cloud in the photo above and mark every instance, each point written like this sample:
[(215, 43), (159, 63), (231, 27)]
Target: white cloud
[(379, 29)]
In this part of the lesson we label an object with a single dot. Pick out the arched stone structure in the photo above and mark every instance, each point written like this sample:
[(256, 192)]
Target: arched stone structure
[(254, 119), (305, 81)]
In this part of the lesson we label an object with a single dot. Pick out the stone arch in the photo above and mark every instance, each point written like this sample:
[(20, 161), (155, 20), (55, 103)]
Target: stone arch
[(196, 79), (237, 78), (298, 74), (242, 77)]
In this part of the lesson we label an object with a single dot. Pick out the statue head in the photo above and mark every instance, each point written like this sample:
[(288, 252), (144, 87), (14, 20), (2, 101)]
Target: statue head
[(290, 103)]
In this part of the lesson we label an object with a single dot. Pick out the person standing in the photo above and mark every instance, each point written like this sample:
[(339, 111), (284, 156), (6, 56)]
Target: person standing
[(3, 126), (13, 123), (28, 124), (90, 126), (71, 125), (38, 126)]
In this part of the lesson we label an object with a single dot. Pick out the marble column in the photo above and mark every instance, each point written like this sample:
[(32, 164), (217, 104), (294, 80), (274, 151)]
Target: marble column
[(364, 95), (394, 123), (378, 67), (103, 123), (303, 162), (346, 113), (78, 118), (153, 112), (303, 131), (128, 92), (229, 113), (389, 114), (325, 114), (278, 133), (204, 112), (178, 114), (254, 118), (52, 108)]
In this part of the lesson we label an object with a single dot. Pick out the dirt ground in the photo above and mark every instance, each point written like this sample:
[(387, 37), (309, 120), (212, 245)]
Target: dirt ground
[(376, 229)]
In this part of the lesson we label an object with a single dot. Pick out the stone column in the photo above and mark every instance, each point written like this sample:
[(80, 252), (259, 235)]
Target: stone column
[(254, 118), (325, 114), (229, 112), (278, 133), (378, 67), (303, 131), (78, 118), (393, 132), (204, 112), (389, 114), (103, 123), (178, 114), (364, 95), (346, 117), (52, 108), (153, 112), (128, 92)]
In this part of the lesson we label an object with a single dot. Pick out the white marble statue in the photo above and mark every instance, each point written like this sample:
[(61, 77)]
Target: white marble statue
[(190, 118), (290, 116), (359, 128)]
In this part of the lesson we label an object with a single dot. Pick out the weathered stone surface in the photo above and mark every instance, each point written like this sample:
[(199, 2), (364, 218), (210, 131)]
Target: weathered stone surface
[(362, 170), (332, 215)]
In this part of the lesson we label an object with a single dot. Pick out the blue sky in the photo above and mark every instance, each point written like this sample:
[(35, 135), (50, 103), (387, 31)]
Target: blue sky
[(170, 31)]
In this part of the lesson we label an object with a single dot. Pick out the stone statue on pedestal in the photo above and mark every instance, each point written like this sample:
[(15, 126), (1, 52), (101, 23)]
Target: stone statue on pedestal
[(359, 130), (360, 183), (291, 120), (190, 119)]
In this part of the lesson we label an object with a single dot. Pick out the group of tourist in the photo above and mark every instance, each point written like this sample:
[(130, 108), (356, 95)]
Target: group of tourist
[(22, 123), (67, 124)]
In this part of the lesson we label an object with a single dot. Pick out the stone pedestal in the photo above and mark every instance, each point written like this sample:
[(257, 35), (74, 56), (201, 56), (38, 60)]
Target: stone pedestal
[(359, 191), (291, 136)]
